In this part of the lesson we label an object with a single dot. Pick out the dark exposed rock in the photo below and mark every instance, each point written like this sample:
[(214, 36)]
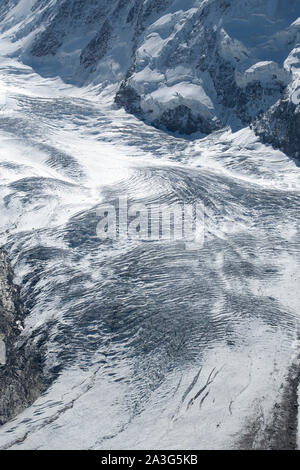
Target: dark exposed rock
[(6, 5), (181, 119), (49, 46), (279, 432), (129, 99), (69, 17), (280, 127), (21, 371), (98, 47)]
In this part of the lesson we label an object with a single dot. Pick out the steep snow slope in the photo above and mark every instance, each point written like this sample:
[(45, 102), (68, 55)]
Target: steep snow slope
[(77, 39), (185, 66)]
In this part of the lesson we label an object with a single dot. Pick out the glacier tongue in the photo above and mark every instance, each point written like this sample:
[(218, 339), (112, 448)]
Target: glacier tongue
[(150, 345)]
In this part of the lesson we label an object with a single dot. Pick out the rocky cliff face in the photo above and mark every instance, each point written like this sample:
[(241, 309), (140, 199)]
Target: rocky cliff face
[(215, 65), (183, 66), (20, 365), (280, 125)]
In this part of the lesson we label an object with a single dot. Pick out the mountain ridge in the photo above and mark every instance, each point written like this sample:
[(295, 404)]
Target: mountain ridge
[(183, 67)]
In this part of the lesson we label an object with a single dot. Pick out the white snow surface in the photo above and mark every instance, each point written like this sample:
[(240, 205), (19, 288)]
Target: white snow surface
[(133, 331)]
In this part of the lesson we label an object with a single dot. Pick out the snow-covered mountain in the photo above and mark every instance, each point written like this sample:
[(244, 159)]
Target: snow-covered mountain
[(182, 65), (148, 344), (218, 64)]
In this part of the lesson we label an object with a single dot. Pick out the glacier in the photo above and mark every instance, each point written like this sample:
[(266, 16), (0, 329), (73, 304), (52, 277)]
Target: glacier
[(150, 345)]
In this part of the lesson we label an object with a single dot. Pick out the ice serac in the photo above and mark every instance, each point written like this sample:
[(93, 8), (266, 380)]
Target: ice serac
[(20, 364)]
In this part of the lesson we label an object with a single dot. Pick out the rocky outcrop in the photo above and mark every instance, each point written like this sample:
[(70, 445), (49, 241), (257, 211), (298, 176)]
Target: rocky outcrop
[(193, 69), (5, 6), (98, 47), (280, 127), (280, 431), (20, 361)]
